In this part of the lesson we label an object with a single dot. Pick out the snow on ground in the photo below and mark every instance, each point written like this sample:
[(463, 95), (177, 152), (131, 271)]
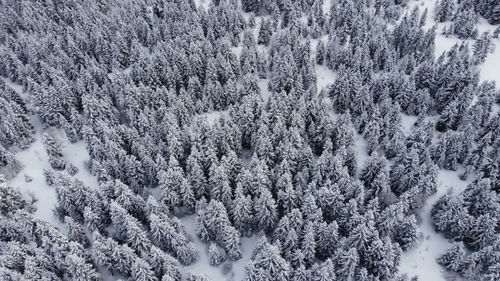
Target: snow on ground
[(76, 154), (202, 3), (327, 4), (237, 51), (421, 260), (361, 148), (16, 87), (324, 76), (444, 43), (489, 69), (407, 122), (202, 266), (248, 244), (264, 91), (212, 116)]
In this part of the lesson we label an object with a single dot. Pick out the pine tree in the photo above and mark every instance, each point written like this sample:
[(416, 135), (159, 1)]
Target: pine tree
[(187, 197), (141, 271), (11, 199), (327, 238), (287, 196), (163, 264), (309, 243), (444, 10), (53, 148), (265, 209), (325, 271), (241, 211), (231, 242), (290, 246), (301, 274), (251, 5), (482, 47), (76, 232), (216, 254), (81, 270), (220, 188), (265, 32), (170, 181), (347, 262), (464, 24), (267, 264), (455, 258)]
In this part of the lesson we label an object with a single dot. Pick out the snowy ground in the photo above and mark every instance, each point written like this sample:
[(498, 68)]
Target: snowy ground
[(444, 43), (264, 91), (325, 77), (212, 116), (327, 4), (203, 3)]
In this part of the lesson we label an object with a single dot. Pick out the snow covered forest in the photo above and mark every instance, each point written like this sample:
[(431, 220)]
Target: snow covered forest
[(249, 140)]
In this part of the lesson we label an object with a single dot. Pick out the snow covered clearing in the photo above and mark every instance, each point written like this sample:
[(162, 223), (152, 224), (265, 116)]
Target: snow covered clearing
[(212, 116), (202, 3), (264, 90), (327, 4), (325, 76), (407, 122)]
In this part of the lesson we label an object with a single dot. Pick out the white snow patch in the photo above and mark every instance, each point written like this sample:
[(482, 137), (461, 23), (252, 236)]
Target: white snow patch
[(443, 43), (212, 116), (407, 121), (237, 51), (34, 160), (202, 3), (77, 154), (314, 44), (361, 148), (264, 91), (16, 87), (421, 260), (327, 4), (489, 69), (324, 76), (248, 244)]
